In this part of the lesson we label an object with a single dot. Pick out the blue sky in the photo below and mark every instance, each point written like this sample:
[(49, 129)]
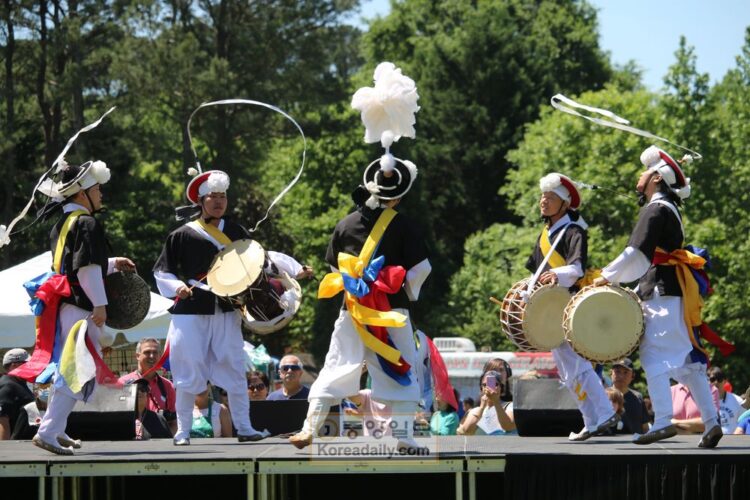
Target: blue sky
[(648, 32)]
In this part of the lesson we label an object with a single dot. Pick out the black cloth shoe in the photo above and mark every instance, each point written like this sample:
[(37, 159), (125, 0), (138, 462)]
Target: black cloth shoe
[(252, 437), (608, 424), (711, 438), (181, 442), (654, 436)]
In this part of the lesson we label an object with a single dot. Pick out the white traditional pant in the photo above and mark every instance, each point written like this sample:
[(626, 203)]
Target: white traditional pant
[(584, 385), (665, 353), (204, 348), (62, 399), (342, 370)]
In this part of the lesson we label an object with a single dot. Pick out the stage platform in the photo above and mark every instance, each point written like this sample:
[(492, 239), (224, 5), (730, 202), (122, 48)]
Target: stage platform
[(456, 467)]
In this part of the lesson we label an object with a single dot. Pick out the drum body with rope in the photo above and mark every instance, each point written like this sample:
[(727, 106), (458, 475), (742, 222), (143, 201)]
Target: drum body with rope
[(603, 323), (267, 303), (533, 322)]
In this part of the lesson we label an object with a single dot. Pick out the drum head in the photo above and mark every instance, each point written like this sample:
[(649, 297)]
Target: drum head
[(129, 299), (604, 323), (544, 317), (236, 267)]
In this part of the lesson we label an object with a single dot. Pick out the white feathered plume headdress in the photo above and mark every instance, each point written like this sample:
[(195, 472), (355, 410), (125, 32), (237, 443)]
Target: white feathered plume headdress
[(387, 112)]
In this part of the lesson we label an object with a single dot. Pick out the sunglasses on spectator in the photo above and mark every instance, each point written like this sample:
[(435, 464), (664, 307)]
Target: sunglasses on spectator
[(715, 379), (286, 368), (256, 387)]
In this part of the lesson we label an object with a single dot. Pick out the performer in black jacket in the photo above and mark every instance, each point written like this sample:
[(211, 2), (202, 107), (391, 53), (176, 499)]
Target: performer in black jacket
[(565, 239), (669, 348)]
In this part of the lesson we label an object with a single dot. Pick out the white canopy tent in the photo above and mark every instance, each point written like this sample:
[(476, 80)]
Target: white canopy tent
[(17, 323)]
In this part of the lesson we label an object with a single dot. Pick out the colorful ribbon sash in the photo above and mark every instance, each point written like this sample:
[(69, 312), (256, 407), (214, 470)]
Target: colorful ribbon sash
[(685, 263), (366, 285)]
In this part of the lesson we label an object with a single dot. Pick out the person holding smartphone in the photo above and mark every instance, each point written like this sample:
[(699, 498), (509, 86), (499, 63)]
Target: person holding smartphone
[(494, 415)]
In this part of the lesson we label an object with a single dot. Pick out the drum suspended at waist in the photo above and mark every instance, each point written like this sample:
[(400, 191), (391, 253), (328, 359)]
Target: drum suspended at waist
[(267, 302), (533, 321), (603, 323)]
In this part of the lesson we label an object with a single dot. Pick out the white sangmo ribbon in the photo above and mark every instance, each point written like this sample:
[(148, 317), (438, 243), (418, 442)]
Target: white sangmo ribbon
[(5, 232), (263, 105), (567, 105)]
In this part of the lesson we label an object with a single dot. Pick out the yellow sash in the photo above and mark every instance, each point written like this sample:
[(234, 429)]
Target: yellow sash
[(214, 232), (333, 283), (66, 227), (684, 260), (557, 260)]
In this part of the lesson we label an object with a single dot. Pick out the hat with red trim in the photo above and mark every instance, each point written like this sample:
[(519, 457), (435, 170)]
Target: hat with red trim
[(211, 181), (659, 161), (562, 186)]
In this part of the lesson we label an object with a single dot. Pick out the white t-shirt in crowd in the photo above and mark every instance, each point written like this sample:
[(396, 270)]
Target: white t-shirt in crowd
[(730, 409)]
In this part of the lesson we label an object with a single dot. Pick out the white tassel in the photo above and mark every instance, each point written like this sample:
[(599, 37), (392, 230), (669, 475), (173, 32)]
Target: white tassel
[(387, 163), (100, 172), (373, 202), (192, 172)]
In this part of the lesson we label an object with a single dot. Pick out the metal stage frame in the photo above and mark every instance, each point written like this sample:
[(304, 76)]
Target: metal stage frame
[(273, 469)]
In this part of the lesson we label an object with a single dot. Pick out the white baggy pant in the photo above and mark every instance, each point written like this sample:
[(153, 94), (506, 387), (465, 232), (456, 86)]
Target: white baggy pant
[(204, 348)]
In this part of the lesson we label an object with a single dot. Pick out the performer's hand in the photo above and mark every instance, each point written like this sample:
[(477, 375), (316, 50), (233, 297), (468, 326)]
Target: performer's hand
[(306, 272), (124, 264), (184, 292), (600, 281), (548, 277), (99, 315)]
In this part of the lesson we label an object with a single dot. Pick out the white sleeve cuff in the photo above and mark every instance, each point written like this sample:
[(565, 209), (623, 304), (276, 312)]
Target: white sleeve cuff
[(90, 278), (415, 279), (167, 283), (111, 265), (629, 266), (568, 275), (285, 263)]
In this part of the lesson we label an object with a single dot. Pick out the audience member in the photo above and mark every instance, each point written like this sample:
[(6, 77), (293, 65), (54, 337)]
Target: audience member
[(686, 416), (30, 415), (210, 418), (290, 372), (743, 423), (444, 421), (730, 405), (161, 394), (634, 418), (14, 393), (257, 386), (494, 415), (148, 423)]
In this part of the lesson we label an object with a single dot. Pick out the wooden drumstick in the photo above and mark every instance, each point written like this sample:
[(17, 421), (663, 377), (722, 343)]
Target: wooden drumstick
[(498, 302)]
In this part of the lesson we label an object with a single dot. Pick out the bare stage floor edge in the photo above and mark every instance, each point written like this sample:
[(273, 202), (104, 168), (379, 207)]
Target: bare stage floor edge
[(456, 467)]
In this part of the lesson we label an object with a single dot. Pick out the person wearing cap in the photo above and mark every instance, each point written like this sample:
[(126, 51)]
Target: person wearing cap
[(80, 251), (205, 335), (14, 393), (564, 239), (668, 348), (635, 418), (375, 247)]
